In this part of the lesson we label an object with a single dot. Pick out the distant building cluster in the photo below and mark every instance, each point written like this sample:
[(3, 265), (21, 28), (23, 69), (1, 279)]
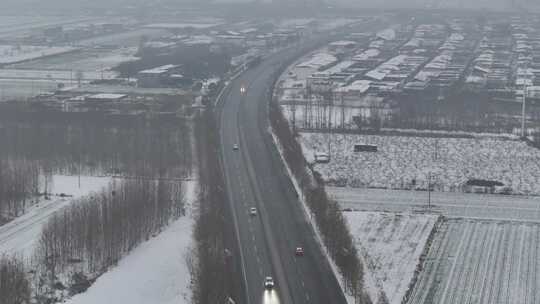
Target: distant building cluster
[(378, 78)]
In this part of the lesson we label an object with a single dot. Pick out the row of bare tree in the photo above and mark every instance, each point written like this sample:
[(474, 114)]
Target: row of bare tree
[(14, 285), (213, 281), (19, 182), (328, 216), (93, 143), (462, 110), (95, 232)]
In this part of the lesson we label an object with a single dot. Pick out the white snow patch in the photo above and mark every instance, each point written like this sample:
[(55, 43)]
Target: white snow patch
[(406, 162), (155, 272), (391, 245)]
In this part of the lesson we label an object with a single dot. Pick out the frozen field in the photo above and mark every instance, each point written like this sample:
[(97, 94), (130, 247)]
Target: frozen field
[(406, 162), (391, 245), (66, 76), (474, 261), (88, 60), (124, 39), (17, 89), (450, 204), (18, 53), (16, 25), (30, 78)]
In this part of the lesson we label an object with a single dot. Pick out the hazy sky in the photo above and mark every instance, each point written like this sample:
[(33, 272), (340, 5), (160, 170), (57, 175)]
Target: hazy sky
[(459, 4)]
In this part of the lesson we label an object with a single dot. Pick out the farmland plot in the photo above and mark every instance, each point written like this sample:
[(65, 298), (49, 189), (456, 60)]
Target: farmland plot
[(472, 261), (390, 245), (407, 162)]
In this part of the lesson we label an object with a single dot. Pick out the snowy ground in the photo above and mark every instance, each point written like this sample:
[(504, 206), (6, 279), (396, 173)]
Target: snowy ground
[(155, 272), (12, 53), (474, 261), (391, 245), (19, 236), (28, 79), (87, 60), (124, 39), (17, 89), (449, 204), (19, 25), (65, 76), (406, 162)]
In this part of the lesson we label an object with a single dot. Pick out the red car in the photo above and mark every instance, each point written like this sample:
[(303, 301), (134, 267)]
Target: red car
[(299, 251)]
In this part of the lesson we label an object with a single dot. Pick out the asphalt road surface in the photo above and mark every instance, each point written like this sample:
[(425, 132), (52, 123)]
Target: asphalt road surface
[(256, 177)]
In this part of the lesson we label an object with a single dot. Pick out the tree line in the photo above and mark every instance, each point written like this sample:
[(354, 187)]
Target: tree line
[(19, 183), (328, 216), (215, 266), (93, 143), (83, 240), (14, 285), (196, 61), (460, 110)]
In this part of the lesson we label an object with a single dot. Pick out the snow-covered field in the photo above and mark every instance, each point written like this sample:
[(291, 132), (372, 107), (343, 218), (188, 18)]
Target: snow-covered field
[(86, 60), (390, 245), (17, 25), (449, 204), (20, 235), (124, 39), (65, 76), (474, 261), (406, 162), (13, 54), (30, 78), (17, 89), (154, 272)]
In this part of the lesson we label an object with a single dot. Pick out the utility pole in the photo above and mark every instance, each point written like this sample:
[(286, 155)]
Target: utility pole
[(429, 191), (523, 110)]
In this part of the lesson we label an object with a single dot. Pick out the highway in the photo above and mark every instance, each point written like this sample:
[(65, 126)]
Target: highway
[(256, 177)]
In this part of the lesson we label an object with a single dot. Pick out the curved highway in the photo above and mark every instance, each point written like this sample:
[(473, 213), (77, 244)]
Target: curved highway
[(256, 177)]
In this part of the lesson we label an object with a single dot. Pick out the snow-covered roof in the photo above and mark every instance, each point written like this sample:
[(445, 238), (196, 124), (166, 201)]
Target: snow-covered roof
[(181, 25), (387, 34), (318, 60), (369, 53), (385, 68), (340, 67), (414, 42), (343, 43), (360, 86), (375, 74), (199, 39), (159, 70), (107, 96)]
